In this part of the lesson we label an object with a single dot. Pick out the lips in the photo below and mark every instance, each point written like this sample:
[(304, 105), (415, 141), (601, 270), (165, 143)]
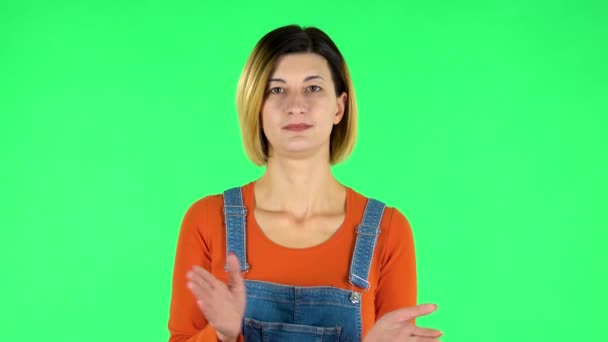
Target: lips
[(297, 127)]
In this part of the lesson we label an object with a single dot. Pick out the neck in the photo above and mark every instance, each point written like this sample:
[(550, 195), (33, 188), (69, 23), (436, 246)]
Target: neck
[(303, 187)]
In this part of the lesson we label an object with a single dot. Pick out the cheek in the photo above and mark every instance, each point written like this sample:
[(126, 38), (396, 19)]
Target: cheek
[(326, 107), (268, 118), (270, 111)]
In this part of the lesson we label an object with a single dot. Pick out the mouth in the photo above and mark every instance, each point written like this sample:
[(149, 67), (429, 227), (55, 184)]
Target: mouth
[(297, 127)]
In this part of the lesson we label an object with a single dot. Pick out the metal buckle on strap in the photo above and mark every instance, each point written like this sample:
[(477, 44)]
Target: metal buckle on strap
[(235, 210), (352, 285), (366, 229), (355, 297)]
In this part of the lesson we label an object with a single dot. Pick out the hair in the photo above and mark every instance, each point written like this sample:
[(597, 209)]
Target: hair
[(260, 65)]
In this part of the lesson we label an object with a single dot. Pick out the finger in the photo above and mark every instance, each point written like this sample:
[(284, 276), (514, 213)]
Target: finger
[(207, 310), (201, 275), (201, 293), (406, 314), (200, 283), (406, 335), (234, 271), (426, 332)]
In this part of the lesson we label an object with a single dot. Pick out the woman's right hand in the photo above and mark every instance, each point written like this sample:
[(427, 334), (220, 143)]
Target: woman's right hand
[(223, 305), (395, 326)]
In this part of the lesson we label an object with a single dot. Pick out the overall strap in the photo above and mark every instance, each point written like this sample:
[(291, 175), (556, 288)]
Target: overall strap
[(234, 216), (367, 234)]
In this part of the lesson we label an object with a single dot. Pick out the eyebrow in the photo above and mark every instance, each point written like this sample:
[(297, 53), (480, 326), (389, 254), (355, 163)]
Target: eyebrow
[(308, 78)]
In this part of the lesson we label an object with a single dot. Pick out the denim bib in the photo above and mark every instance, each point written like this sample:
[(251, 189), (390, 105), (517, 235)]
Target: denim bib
[(276, 312)]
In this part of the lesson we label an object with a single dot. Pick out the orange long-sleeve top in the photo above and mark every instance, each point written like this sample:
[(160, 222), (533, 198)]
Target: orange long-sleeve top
[(202, 241)]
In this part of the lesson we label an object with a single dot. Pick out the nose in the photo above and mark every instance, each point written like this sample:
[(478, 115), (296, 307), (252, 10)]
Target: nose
[(296, 103)]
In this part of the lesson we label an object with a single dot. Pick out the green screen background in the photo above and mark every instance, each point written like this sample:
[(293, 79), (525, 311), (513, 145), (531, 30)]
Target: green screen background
[(483, 122)]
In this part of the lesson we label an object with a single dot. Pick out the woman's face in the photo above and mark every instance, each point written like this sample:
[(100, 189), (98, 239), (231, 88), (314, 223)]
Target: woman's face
[(301, 106)]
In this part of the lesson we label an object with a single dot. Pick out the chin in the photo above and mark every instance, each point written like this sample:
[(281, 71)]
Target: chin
[(299, 149)]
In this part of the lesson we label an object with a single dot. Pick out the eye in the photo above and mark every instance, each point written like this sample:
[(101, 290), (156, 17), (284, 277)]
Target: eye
[(314, 88), (275, 90)]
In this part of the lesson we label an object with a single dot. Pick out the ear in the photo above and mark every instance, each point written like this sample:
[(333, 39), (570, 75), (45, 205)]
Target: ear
[(341, 107)]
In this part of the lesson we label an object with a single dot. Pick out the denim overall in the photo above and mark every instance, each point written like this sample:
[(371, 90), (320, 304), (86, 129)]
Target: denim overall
[(276, 312)]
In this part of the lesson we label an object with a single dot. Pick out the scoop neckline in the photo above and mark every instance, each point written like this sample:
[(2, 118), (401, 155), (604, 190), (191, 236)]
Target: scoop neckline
[(336, 236)]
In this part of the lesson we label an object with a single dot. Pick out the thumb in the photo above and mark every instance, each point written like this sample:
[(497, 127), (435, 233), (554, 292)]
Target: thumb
[(234, 272)]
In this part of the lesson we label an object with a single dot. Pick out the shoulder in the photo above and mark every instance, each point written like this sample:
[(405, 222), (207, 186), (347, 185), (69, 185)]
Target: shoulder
[(211, 206), (395, 228), (209, 210), (395, 225), (392, 217), (395, 243), (397, 220), (205, 206), (204, 216)]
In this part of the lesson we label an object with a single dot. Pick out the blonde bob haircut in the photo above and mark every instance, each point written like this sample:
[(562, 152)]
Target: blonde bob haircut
[(251, 90)]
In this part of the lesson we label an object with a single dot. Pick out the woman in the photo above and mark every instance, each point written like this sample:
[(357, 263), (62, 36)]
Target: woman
[(295, 255)]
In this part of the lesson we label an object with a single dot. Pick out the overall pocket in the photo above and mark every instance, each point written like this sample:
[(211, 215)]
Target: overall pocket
[(258, 331)]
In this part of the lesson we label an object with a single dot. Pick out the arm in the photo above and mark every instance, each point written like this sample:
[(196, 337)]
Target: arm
[(397, 282), (186, 321), (396, 308)]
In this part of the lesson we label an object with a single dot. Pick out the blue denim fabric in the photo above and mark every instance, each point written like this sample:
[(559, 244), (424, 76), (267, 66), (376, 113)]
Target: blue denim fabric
[(277, 312)]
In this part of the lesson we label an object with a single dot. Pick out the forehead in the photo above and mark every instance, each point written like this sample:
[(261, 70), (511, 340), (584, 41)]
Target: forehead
[(301, 64)]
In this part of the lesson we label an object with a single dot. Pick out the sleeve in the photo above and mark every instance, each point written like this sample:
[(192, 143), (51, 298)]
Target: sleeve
[(397, 282), (186, 322)]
